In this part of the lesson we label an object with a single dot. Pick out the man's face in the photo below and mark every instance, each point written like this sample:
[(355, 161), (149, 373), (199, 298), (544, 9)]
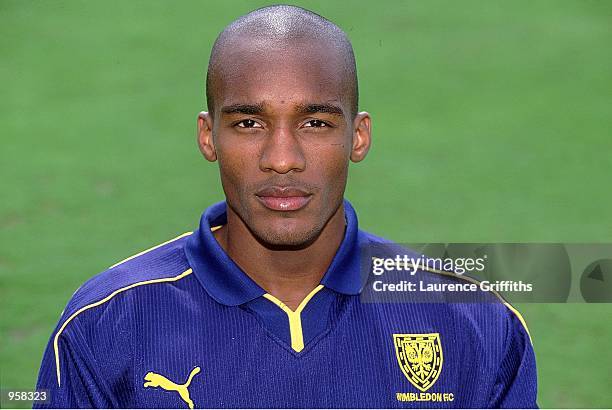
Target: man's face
[(283, 134)]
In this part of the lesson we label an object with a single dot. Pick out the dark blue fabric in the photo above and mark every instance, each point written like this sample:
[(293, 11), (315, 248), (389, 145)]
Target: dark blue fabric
[(216, 319), (220, 276)]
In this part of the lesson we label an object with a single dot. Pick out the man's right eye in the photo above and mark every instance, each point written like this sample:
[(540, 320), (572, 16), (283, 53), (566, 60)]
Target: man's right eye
[(248, 124)]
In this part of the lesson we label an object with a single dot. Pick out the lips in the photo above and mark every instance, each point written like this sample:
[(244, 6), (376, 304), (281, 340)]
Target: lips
[(283, 199)]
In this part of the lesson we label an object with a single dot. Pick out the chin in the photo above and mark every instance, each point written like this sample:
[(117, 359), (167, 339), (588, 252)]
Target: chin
[(287, 238)]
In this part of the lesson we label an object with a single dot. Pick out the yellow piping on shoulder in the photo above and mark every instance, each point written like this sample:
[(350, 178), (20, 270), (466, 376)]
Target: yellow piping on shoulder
[(472, 280), (520, 318), (100, 302), (150, 249), (295, 320)]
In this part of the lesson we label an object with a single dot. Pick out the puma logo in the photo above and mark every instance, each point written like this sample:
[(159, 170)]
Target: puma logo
[(157, 380)]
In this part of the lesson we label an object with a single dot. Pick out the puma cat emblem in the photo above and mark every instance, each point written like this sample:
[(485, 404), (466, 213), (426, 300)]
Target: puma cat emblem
[(157, 380)]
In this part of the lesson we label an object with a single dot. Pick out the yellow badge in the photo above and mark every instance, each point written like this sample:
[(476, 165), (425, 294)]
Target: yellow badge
[(420, 358), (157, 380)]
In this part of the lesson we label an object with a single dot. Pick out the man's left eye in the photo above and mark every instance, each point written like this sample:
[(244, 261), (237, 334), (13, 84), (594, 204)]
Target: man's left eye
[(316, 124)]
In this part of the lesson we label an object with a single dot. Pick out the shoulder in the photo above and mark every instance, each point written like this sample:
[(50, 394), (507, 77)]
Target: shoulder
[(162, 263), (458, 297), (482, 308), (99, 313)]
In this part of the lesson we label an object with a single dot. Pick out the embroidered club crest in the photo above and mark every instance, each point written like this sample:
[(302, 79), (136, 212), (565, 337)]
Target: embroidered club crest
[(420, 358)]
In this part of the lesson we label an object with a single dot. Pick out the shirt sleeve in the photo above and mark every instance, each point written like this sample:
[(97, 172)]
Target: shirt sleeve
[(77, 383), (516, 384)]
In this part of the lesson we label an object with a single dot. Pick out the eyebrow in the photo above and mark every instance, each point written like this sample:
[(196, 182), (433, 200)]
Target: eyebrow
[(319, 108), (248, 109)]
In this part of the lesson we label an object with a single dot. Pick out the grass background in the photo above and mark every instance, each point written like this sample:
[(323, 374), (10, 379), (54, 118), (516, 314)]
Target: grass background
[(491, 123)]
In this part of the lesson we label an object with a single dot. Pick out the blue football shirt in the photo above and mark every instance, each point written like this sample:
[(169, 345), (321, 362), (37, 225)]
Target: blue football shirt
[(182, 326)]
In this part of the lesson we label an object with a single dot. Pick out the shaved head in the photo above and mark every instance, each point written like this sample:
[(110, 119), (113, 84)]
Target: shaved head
[(282, 28)]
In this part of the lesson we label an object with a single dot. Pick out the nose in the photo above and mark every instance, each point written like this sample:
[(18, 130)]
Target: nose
[(282, 152)]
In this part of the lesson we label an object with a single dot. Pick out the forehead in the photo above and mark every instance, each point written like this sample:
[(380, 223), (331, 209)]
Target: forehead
[(297, 72)]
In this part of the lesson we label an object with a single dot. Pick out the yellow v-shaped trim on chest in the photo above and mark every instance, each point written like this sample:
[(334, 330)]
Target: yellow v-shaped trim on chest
[(295, 320)]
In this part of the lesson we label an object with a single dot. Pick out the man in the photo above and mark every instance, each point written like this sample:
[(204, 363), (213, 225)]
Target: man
[(260, 307)]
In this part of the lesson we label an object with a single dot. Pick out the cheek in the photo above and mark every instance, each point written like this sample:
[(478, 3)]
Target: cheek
[(331, 164), (235, 165)]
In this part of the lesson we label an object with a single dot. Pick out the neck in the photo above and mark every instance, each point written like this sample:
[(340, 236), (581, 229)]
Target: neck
[(289, 275)]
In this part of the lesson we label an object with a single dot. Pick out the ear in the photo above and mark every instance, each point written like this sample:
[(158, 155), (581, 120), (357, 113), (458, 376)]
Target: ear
[(362, 136), (205, 136)]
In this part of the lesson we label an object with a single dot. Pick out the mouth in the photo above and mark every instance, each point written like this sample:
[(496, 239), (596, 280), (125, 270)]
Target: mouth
[(284, 199)]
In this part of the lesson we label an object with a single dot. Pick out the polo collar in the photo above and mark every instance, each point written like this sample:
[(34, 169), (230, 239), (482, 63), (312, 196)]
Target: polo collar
[(226, 283)]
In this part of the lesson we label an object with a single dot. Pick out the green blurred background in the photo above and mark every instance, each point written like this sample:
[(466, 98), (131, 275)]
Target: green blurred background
[(491, 123)]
